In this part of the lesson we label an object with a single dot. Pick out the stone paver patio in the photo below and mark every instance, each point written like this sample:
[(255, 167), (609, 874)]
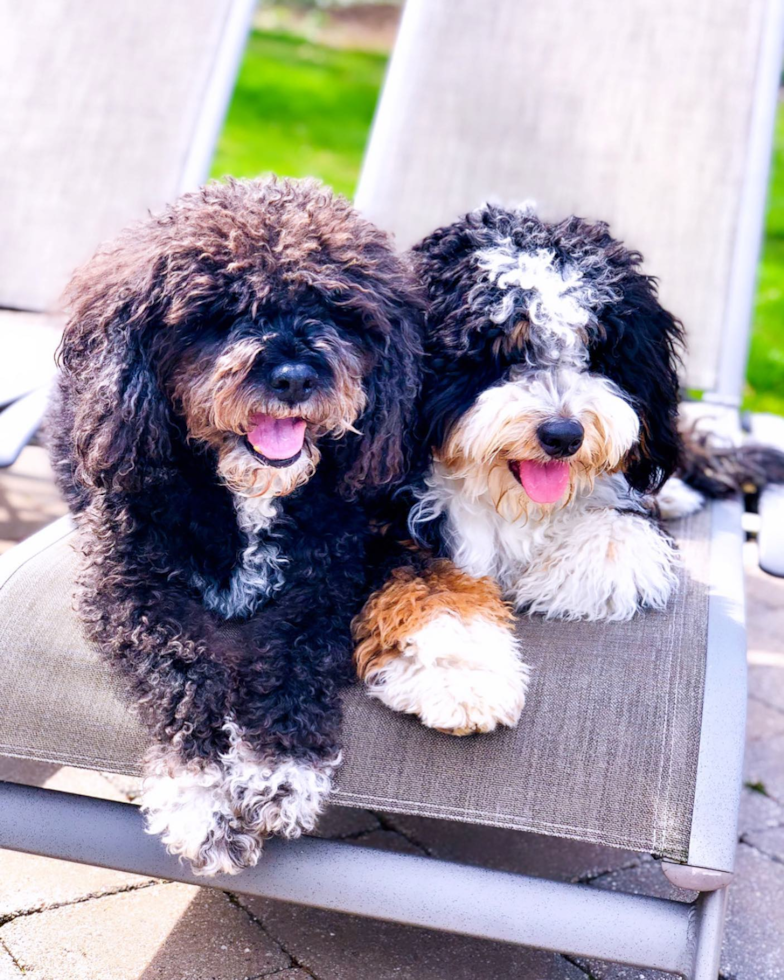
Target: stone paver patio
[(62, 921)]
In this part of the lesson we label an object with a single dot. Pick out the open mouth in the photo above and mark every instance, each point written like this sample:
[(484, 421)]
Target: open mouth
[(276, 441), (545, 483)]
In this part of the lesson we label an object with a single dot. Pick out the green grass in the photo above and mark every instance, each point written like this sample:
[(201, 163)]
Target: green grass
[(305, 109), (300, 109), (765, 375)]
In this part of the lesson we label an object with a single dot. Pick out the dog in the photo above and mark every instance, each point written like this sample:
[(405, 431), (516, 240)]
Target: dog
[(550, 405), (238, 376)]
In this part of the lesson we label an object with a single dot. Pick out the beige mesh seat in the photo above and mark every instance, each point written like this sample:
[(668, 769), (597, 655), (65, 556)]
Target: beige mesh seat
[(634, 732), (567, 769)]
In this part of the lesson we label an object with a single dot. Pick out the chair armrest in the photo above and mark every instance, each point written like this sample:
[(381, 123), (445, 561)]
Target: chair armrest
[(771, 533), (19, 423), (769, 429)]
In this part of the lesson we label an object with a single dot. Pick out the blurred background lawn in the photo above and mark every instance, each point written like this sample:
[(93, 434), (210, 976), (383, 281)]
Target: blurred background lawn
[(300, 108), (765, 375), (304, 104), (307, 90)]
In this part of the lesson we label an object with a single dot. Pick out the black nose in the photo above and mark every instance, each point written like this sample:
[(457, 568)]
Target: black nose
[(560, 437), (293, 382)]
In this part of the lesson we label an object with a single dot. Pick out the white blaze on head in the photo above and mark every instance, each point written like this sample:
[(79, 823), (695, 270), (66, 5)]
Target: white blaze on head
[(555, 303)]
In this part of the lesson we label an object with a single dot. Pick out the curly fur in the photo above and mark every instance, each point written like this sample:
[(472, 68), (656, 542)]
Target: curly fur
[(478, 296), (219, 584), (529, 322)]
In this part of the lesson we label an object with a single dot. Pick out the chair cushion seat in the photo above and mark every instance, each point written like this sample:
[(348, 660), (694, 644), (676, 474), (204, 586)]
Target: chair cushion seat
[(606, 750)]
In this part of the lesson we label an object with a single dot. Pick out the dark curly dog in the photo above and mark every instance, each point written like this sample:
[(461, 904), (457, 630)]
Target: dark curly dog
[(550, 407), (237, 374)]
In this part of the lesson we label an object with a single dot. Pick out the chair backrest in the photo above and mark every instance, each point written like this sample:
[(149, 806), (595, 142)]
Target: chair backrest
[(108, 108), (656, 115)]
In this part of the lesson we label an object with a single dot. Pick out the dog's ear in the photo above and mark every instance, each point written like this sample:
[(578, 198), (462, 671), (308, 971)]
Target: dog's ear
[(122, 430), (379, 302), (639, 349), (380, 456)]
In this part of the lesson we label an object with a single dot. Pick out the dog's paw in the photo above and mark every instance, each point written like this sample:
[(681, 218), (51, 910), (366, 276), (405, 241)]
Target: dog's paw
[(677, 499), (188, 806), (274, 794), (460, 677), (609, 568)]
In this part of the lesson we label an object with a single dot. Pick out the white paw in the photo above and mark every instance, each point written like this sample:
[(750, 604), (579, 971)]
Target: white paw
[(188, 807), (458, 677), (611, 566), (275, 795), (677, 499)]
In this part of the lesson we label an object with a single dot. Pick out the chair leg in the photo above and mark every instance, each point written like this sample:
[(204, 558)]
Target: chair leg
[(710, 909)]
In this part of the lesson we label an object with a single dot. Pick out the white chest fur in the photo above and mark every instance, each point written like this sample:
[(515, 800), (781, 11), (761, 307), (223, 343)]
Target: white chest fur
[(258, 573), (598, 557), (483, 542)]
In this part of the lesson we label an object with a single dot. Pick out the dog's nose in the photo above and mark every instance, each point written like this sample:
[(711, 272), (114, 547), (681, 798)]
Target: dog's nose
[(293, 381), (560, 437)]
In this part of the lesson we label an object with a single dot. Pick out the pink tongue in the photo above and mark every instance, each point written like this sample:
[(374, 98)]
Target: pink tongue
[(543, 482), (277, 438)]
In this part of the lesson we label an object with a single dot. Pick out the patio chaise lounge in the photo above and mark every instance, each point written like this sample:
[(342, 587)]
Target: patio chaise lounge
[(633, 735)]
